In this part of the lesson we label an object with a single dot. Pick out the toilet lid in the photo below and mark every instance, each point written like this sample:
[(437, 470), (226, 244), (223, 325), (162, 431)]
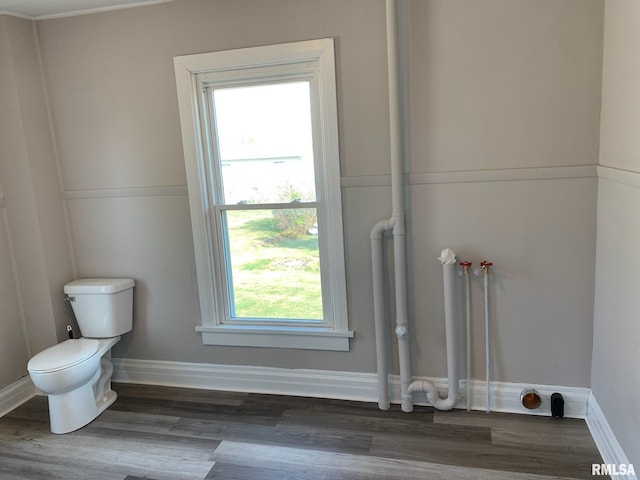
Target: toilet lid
[(63, 355)]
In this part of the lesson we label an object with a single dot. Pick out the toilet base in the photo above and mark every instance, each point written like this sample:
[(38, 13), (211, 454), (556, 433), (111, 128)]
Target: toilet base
[(77, 408), (74, 410)]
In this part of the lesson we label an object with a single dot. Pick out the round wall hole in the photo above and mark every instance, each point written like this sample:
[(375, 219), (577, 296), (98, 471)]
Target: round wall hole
[(530, 399)]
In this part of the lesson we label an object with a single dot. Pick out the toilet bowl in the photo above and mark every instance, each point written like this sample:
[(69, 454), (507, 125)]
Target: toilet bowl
[(76, 374)]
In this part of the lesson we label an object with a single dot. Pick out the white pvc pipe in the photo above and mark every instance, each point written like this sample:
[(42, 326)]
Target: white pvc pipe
[(398, 204), (449, 278), (448, 402), (398, 83), (377, 234), (395, 124), (395, 223), (402, 322)]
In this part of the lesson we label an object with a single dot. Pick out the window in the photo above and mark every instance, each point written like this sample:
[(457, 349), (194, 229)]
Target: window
[(260, 137)]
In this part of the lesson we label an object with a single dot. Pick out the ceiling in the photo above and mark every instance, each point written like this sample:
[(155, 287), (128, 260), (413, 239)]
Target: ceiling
[(40, 9)]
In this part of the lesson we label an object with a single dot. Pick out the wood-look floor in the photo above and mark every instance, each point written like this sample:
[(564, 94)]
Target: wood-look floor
[(165, 433)]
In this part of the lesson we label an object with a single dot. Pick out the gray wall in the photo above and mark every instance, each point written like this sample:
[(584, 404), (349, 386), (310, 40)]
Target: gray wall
[(615, 377), (498, 84), (35, 253)]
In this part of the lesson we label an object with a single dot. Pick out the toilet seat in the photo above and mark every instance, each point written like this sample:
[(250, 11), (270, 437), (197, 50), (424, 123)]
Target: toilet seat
[(63, 355)]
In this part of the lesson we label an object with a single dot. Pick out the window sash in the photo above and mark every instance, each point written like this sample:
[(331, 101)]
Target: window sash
[(208, 82), (222, 253)]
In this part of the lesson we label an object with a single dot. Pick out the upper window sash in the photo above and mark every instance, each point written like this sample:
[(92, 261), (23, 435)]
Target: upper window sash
[(247, 76), (213, 173)]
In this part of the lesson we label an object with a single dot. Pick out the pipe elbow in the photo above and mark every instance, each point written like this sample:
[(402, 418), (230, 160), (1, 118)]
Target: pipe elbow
[(415, 386), (379, 228), (422, 386), (445, 403), (432, 394)]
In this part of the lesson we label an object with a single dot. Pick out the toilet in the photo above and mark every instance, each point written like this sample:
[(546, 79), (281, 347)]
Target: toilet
[(76, 374)]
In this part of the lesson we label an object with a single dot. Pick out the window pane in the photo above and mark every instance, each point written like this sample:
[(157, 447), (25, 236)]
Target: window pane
[(275, 264), (265, 143)]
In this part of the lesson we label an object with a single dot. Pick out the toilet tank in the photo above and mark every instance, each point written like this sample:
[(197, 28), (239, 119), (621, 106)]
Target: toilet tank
[(103, 306)]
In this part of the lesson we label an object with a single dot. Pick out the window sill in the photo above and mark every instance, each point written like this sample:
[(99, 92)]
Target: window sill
[(276, 337)]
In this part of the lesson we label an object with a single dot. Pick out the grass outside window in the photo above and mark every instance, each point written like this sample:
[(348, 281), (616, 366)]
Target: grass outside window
[(275, 274)]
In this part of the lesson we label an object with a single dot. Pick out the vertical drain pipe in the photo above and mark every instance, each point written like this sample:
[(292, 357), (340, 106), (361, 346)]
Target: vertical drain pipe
[(448, 260), (395, 224), (398, 215), (377, 234), (398, 205)]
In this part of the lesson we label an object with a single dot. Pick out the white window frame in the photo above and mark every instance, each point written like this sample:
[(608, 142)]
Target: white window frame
[(313, 60)]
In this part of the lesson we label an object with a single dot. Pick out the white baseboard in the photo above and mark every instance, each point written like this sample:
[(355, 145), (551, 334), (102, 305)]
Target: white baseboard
[(16, 394), (505, 397), (240, 378), (604, 437)]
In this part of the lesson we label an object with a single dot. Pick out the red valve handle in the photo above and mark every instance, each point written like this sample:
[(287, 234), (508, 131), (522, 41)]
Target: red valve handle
[(465, 264), (485, 263)]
